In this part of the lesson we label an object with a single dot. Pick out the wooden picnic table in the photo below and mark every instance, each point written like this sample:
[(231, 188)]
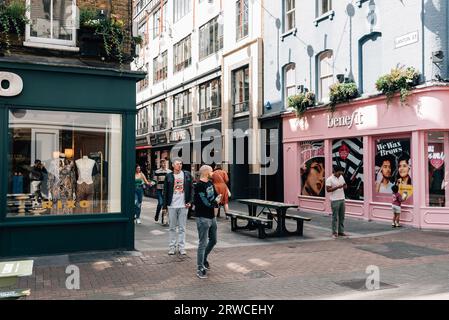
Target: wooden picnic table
[(276, 211)]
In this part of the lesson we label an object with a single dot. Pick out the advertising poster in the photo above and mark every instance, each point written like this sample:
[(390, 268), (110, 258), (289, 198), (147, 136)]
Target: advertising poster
[(312, 169), (436, 165), (348, 154), (393, 167)]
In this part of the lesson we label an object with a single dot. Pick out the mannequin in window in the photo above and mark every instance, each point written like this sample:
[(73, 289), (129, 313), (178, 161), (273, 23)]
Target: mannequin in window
[(53, 177), (86, 169)]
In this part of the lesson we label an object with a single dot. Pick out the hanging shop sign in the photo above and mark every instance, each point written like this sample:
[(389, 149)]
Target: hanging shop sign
[(179, 135)]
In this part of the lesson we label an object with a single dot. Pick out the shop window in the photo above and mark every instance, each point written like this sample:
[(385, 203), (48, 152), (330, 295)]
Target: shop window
[(64, 163), (52, 22), (436, 174), (312, 169), (393, 166), (348, 154)]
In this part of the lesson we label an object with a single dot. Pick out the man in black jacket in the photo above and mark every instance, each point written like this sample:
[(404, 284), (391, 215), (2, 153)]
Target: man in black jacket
[(178, 198)]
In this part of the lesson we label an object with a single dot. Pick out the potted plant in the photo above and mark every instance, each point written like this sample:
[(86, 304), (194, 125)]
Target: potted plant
[(12, 23), (342, 92), (301, 102), (104, 37), (401, 80)]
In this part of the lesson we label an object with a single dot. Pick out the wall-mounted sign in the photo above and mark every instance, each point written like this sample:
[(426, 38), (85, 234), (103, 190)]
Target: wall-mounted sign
[(11, 84), (156, 139), (345, 121), (180, 135), (405, 40)]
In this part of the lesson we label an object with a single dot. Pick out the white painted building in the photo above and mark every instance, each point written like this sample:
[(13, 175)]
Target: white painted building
[(204, 60)]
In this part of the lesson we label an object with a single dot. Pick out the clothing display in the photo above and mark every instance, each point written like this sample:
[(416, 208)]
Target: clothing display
[(17, 184), (53, 179), (85, 184)]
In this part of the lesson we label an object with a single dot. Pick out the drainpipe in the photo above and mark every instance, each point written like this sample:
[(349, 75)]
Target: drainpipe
[(423, 47)]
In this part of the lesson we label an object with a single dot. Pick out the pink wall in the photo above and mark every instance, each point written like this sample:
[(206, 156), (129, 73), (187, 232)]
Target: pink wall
[(368, 118)]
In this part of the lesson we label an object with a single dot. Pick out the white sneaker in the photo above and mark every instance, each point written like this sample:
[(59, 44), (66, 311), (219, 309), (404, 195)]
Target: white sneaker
[(138, 221), (171, 252), (182, 252)]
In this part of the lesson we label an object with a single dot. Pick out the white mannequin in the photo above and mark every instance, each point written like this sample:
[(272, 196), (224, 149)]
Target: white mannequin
[(85, 167)]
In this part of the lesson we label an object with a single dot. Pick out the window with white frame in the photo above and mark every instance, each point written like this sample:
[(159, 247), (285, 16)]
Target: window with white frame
[(210, 98), (158, 21), (52, 21), (242, 19), (142, 121), (182, 113), (211, 38), (160, 68), (290, 81), (181, 8), (182, 54), (324, 6), (160, 115), (326, 74), (240, 90), (290, 23)]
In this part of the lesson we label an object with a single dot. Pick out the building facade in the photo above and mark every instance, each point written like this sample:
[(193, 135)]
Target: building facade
[(204, 64), (67, 108), (312, 45)]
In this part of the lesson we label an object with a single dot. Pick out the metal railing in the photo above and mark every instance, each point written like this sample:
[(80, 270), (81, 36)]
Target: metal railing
[(160, 126), (209, 114), (241, 107), (182, 121)]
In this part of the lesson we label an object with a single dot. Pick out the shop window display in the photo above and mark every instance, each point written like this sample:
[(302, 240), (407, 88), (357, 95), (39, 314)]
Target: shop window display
[(63, 163), (436, 165), (348, 154), (393, 167), (312, 168)]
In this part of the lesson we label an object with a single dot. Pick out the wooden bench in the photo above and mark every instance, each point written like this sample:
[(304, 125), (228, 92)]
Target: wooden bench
[(299, 220), (253, 223)]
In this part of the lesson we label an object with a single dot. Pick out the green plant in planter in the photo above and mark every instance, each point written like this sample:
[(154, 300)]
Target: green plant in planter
[(301, 102), (12, 21), (112, 31), (342, 92), (400, 80)]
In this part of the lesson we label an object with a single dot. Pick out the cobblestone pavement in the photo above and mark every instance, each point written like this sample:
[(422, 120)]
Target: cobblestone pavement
[(413, 264)]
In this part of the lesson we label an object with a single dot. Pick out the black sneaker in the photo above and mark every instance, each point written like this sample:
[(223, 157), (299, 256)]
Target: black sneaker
[(201, 274), (156, 218), (206, 265)]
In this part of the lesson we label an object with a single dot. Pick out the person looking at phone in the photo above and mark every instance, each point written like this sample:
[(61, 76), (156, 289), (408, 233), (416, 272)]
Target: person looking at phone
[(206, 199)]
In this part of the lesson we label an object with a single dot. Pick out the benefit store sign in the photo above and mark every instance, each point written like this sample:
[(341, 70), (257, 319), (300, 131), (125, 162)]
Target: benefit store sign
[(356, 119)]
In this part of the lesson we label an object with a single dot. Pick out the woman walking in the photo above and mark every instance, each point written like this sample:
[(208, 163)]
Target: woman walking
[(140, 181), (220, 180)]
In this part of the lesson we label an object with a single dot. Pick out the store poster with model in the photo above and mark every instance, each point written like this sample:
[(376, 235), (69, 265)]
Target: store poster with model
[(393, 167), (348, 154), (312, 169), (436, 164)]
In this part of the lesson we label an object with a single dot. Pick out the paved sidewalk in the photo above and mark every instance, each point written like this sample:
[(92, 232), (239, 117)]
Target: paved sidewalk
[(412, 264)]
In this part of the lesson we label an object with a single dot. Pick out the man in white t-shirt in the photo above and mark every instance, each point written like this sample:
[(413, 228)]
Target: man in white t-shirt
[(335, 186), (178, 198)]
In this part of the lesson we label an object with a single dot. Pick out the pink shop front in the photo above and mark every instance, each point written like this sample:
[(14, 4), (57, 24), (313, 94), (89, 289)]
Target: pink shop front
[(378, 145)]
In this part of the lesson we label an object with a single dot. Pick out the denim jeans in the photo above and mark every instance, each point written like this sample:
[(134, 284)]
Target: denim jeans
[(207, 230), (177, 218), (138, 201), (160, 201)]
